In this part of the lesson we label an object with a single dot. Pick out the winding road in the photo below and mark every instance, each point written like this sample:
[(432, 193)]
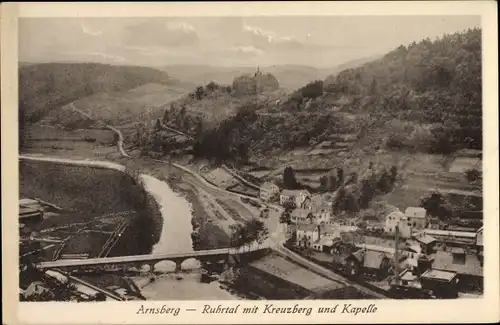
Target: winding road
[(276, 238)]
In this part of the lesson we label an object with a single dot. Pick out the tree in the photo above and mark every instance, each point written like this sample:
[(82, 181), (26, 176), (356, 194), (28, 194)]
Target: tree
[(286, 218), (289, 179), (332, 183), (323, 181), (212, 86), (289, 205), (384, 183), (98, 297), (436, 205), (199, 92), (250, 231), (472, 175), (340, 175), (367, 193), (158, 125), (393, 173)]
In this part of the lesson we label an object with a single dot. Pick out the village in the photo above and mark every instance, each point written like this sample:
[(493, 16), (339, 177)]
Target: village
[(411, 254)]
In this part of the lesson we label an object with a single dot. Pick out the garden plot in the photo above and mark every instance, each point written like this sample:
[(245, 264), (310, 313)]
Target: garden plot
[(221, 178), (462, 164), (291, 272)]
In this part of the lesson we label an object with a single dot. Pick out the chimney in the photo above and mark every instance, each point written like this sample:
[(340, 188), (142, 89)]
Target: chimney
[(319, 232)]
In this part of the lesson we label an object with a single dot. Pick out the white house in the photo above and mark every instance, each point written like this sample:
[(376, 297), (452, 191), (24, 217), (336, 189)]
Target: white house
[(399, 220), (300, 216), (301, 198), (321, 206), (310, 234), (268, 191), (307, 234), (417, 217)]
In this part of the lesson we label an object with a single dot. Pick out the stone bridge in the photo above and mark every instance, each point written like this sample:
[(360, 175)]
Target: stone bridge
[(138, 261)]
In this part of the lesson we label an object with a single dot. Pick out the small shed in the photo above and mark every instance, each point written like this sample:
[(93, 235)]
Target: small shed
[(442, 283)]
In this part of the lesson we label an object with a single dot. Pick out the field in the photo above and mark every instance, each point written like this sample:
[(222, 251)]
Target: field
[(86, 190), (221, 178), (116, 107), (86, 194), (72, 143)]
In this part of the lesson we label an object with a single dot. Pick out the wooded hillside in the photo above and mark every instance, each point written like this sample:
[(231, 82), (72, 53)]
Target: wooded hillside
[(435, 82)]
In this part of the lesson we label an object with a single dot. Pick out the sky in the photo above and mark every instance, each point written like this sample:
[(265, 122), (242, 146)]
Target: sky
[(323, 41)]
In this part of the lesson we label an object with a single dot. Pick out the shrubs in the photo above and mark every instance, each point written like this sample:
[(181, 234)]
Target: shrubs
[(429, 138), (472, 175)]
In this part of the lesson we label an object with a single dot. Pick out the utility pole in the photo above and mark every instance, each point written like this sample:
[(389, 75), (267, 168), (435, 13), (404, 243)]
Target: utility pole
[(396, 256)]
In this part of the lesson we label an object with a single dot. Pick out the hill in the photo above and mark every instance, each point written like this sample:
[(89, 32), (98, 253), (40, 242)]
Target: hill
[(422, 97), (434, 87), (290, 77), (45, 88)]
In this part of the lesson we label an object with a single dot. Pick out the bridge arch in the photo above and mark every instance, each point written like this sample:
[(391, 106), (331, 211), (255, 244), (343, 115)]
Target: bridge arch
[(166, 266), (190, 264)]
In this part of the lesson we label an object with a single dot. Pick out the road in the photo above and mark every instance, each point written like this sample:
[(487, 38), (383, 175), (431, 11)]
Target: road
[(120, 135), (276, 237)]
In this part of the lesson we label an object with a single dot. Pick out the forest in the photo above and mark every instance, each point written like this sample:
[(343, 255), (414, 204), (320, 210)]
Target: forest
[(436, 83), (423, 97)]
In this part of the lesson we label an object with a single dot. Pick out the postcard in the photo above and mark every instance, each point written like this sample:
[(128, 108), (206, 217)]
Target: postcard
[(250, 162)]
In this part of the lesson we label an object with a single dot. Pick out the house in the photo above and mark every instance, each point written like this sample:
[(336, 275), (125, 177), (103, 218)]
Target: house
[(468, 267), (398, 220), (442, 283), (309, 234), (268, 191), (417, 217), (324, 244), (407, 279), (300, 216), (426, 242), (369, 261), (452, 237), (321, 206), (301, 198), (324, 216)]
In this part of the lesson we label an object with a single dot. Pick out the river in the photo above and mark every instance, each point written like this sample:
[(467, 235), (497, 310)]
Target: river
[(175, 237)]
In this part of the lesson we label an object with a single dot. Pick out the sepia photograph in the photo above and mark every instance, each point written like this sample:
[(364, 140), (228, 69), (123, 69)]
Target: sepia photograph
[(248, 158)]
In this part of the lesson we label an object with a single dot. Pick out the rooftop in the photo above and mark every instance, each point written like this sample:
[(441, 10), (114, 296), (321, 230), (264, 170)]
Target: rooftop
[(415, 212), (294, 192), (396, 214), (434, 274), (268, 185), (471, 266), (438, 232), (425, 239), (300, 212), (306, 227), (407, 275), (373, 259)]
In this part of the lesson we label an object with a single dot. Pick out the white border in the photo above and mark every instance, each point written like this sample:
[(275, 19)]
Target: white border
[(464, 311)]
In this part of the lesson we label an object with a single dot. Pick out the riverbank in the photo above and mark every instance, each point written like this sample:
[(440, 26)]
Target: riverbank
[(181, 287), (205, 234)]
